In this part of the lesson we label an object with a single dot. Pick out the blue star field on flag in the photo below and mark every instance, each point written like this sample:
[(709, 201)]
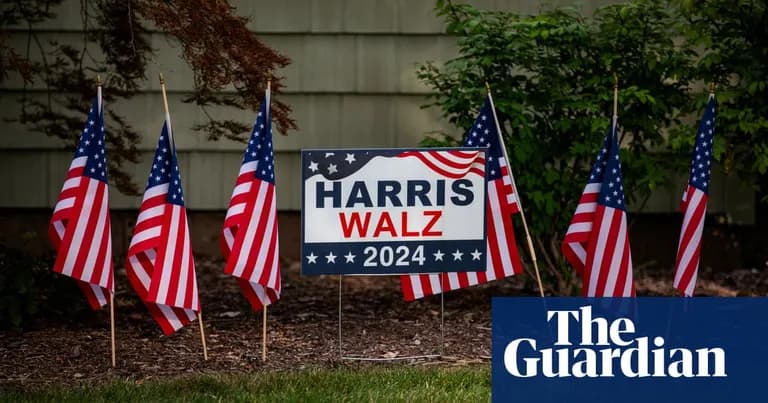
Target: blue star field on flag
[(165, 169), (260, 146), (92, 145), (612, 190), (484, 134), (701, 164)]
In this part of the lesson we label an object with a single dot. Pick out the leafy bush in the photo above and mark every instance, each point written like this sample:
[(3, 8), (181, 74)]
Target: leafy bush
[(552, 77), (732, 42), (29, 289)]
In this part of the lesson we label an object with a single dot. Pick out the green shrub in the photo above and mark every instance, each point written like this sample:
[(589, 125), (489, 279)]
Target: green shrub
[(30, 290), (552, 76)]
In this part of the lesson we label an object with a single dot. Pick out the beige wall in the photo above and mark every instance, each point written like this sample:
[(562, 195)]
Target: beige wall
[(352, 83)]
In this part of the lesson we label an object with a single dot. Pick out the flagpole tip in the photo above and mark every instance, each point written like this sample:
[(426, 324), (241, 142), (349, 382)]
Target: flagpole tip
[(98, 80), (711, 88), (615, 81), (162, 79), (487, 87)]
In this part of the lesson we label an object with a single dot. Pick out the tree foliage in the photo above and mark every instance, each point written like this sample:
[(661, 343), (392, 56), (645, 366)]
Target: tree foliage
[(552, 77), (732, 42), (215, 42)]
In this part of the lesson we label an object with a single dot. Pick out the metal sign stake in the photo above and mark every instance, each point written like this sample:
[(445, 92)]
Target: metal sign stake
[(410, 357)]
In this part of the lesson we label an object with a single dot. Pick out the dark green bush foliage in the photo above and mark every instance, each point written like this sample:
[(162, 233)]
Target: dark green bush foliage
[(29, 289), (732, 42), (552, 78)]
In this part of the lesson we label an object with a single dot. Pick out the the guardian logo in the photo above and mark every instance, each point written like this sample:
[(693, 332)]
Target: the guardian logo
[(607, 349)]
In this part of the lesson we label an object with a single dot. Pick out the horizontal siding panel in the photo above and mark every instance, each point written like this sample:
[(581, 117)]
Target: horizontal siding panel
[(327, 120), (321, 63), (335, 16), (24, 179), (207, 178)]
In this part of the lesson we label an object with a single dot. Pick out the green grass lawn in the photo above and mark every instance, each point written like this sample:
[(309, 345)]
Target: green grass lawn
[(339, 385)]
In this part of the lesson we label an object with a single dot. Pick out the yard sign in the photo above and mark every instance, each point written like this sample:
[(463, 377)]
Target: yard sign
[(393, 211)]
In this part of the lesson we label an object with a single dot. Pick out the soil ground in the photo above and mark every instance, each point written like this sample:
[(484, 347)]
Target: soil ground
[(302, 328)]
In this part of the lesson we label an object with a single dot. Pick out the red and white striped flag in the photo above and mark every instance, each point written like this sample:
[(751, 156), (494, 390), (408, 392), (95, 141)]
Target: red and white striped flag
[(160, 265), (502, 259), (694, 204), (597, 242), (249, 240), (80, 225)]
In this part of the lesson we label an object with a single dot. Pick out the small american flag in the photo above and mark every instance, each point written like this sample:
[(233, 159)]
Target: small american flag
[(249, 240), (502, 259), (694, 204), (597, 243), (80, 225), (160, 265)]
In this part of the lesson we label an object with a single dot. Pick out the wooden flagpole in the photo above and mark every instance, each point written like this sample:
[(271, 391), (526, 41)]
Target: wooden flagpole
[(112, 325), (615, 96), (264, 311), (264, 334), (111, 294), (517, 194), (173, 144), (202, 335)]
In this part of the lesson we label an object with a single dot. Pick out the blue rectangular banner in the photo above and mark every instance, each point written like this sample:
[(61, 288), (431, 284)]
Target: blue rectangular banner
[(393, 211), (649, 349)]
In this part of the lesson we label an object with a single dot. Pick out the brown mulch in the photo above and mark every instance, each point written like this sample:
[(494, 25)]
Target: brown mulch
[(302, 329)]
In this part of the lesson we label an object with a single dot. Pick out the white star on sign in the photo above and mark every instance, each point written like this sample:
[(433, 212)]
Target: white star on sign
[(350, 158), (438, 255), (349, 257), (476, 254), (311, 258), (330, 258), (332, 169), (457, 255)]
